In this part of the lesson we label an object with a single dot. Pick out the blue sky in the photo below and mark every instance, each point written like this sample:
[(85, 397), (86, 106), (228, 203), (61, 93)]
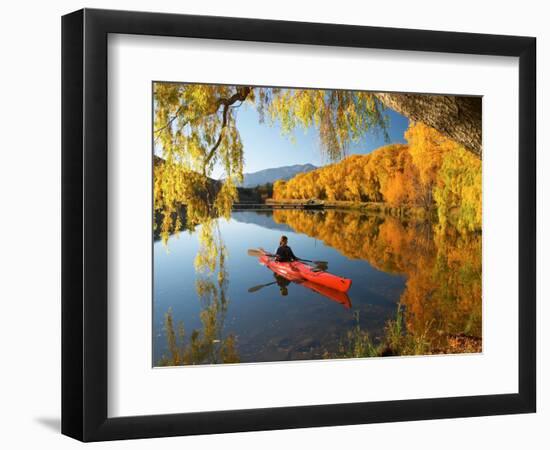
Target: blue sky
[(265, 146)]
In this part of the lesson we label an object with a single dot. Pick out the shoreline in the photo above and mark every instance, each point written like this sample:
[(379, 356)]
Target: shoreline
[(367, 207)]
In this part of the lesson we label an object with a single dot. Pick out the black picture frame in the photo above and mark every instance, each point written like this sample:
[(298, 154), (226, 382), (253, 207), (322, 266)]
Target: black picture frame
[(84, 224)]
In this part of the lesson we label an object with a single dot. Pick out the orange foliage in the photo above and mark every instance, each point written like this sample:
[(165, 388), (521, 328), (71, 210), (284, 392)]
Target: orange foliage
[(432, 172), (442, 298)]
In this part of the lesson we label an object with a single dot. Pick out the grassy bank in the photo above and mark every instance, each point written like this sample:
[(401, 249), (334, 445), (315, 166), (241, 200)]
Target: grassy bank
[(397, 341)]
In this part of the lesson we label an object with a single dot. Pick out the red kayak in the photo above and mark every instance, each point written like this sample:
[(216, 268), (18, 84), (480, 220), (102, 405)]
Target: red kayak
[(298, 271)]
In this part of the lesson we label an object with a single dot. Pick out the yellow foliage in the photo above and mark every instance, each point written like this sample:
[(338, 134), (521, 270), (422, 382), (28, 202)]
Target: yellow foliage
[(356, 178), (432, 172), (195, 130)]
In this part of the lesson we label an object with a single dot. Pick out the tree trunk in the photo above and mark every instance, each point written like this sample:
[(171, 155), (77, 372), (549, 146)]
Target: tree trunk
[(458, 118)]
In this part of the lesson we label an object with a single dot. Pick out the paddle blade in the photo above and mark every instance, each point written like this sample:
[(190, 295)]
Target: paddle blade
[(260, 286), (254, 252), (255, 288)]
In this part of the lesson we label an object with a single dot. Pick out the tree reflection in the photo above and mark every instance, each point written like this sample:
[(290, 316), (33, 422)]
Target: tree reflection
[(208, 345), (441, 303)]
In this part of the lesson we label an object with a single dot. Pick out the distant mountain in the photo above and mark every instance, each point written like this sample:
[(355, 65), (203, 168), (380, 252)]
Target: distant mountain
[(254, 179), (277, 173)]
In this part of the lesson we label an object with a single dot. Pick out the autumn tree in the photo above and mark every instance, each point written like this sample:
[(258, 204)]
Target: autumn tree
[(431, 171), (279, 190), (427, 147), (374, 177), (449, 177), (195, 130), (458, 192)]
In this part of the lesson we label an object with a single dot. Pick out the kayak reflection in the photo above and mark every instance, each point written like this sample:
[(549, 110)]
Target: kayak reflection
[(283, 283)]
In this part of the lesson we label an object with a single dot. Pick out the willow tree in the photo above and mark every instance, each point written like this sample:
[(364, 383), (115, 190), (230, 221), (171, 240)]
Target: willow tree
[(195, 129)]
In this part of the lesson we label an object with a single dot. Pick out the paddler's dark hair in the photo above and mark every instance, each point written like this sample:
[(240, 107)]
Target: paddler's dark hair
[(284, 238)]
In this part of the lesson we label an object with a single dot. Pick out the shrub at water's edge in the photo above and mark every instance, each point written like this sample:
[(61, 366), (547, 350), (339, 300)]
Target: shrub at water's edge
[(398, 341)]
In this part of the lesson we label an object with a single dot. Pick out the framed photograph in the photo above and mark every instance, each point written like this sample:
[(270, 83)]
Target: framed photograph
[(273, 224)]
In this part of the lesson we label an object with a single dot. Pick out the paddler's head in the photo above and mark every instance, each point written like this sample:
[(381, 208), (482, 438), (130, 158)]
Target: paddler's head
[(283, 241)]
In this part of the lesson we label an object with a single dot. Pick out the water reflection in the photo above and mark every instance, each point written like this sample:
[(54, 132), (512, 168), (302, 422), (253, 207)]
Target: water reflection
[(206, 345), (442, 298), (437, 309)]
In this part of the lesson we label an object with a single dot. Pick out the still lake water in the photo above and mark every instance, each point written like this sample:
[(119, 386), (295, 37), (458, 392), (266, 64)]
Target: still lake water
[(380, 255)]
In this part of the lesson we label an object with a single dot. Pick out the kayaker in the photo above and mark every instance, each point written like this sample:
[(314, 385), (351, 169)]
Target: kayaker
[(284, 252)]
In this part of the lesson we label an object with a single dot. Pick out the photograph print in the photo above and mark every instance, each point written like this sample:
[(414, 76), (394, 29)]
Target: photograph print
[(295, 224)]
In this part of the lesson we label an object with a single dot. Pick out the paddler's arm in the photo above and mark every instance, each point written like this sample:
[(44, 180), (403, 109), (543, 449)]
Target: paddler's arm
[(292, 255)]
